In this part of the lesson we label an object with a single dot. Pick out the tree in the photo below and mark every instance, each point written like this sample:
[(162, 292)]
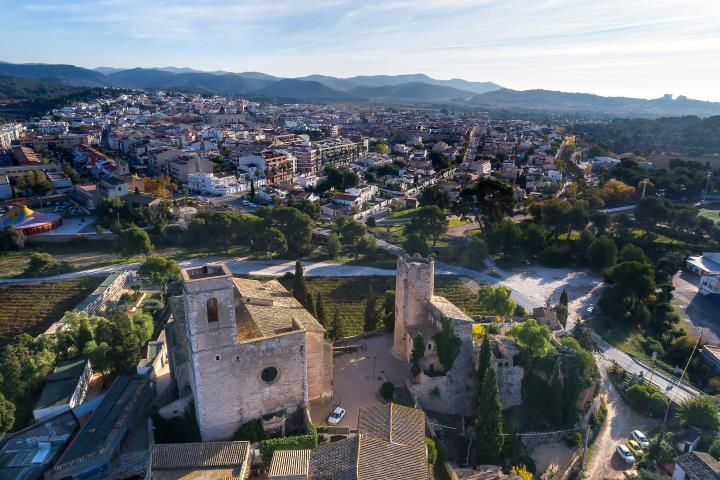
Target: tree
[(447, 345), (333, 245), (484, 360), (338, 326), (414, 243), (602, 253), (97, 353), (367, 245), (42, 263), (296, 226), (157, 269), (134, 240), (634, 279), (489, 201), (11, 239), (370, 317), (25, 361), (650, 211), (701, 412), (320, 310), (554, 404), (496, 300), (434, 195), (533, 338), (428, 222), (300, 291), (7, 414), (270, 242), (439, 161), (488, 425), (633, 253), (387, 390), (522, 472), (563, 298), (351, 233)]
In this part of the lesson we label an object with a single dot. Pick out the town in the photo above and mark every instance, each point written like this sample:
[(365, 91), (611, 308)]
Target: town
[(209, 286)]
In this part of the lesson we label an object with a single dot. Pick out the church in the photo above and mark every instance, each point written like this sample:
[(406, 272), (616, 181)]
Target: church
[(245, 350)]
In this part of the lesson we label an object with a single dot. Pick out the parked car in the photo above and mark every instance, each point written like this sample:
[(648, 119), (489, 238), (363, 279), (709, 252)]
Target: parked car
[(635, 448), (336, 416), (640, 438), (589, 311), (626, 454)]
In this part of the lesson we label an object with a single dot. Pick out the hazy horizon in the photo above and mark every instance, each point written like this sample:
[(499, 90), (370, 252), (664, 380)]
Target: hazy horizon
[(641, 48)]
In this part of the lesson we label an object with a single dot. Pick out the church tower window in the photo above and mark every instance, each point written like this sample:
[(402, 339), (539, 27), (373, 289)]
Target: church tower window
[(212, 310)]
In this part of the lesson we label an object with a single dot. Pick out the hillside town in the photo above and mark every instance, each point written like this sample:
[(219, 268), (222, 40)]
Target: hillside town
[(214, 287)]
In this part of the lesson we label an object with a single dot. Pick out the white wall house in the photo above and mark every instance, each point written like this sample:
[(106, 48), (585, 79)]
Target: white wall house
[(210, 184)]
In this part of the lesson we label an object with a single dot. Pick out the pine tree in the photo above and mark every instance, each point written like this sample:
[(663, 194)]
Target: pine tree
[(488, 426), (299, 288), (554, 406), (485, 359), (371, 318), (320, 310), (563, 298), (252, 189)]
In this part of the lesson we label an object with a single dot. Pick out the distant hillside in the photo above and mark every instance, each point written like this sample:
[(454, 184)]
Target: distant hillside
[(548, 100), (25, 97), (302, 90), (350, 83), (225, 84), (413, 92), (64, 73)]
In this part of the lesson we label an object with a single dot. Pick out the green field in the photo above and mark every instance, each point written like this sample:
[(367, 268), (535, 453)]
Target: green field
[(349, 295), (712, 214), (33, 308)]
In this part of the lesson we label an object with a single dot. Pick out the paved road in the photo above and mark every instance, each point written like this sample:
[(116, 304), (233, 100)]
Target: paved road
[(664, 382)]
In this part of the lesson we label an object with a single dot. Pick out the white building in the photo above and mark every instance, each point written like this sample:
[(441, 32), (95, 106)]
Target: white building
[(210, 184), (10, 132)]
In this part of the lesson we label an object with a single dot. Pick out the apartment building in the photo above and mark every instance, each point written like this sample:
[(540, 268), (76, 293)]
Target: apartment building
[(210, 184)]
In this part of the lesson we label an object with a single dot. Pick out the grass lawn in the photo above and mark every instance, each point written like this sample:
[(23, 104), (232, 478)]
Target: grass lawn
[(349, 295), (712, 214), (33, 308), (456, 222), (406, 213)]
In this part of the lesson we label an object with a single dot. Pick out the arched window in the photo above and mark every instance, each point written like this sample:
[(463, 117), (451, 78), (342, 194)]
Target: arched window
[(212, 310)]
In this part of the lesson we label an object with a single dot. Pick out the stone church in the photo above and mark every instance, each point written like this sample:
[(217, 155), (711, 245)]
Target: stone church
[(419, 312), (245, 350)]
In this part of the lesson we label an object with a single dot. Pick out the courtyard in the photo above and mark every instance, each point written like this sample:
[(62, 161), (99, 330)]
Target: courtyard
[(357, 377)]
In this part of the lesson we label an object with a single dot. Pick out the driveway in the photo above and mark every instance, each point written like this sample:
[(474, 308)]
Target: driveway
[(621, 420), (698, 311), (357, 378)]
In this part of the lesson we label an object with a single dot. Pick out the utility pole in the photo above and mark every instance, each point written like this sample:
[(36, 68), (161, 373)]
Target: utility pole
[(587, 438), (667, 410), (707, 186)]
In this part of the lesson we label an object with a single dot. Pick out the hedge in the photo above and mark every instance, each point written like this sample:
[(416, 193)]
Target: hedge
[(299, 442)]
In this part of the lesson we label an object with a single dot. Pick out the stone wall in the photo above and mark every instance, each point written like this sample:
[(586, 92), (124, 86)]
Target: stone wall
[(319, 366), (414, 286), (509, 379), (230, 391)]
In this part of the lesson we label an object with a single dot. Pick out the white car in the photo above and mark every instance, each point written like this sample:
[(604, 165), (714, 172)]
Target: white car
[(626, 454), (640, 438), (336, 416)]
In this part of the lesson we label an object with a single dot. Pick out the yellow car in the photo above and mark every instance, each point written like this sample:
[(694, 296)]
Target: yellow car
[(635, 448)]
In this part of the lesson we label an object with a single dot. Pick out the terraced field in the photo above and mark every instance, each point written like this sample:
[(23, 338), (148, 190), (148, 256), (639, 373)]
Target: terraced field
[(349, 294), (33, 308)]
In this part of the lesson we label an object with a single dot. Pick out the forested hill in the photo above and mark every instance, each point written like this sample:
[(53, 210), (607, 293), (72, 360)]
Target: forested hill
[(688, 135), (25, 97)]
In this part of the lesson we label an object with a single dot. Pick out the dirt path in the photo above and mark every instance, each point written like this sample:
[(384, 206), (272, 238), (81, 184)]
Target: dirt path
[(621, 420)]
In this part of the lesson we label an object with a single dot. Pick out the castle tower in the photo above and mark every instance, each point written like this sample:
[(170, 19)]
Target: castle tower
[(414, 286)]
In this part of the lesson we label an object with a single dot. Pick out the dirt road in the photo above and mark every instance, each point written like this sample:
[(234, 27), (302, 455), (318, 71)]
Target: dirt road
[(621, 420)]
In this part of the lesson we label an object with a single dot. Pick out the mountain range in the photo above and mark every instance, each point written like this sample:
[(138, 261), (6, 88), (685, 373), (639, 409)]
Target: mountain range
[(412, 89)]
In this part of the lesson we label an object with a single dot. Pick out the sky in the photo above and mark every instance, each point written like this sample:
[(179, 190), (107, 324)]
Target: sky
[(637, 48)]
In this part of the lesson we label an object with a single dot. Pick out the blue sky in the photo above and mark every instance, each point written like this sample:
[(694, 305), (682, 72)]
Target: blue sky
[(642, 48)]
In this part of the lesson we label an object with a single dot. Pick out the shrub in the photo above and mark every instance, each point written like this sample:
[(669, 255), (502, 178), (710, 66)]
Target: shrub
[(701, 412), (251, 431), (45, 264), (432, 450), (574, 439), (387, 390), (298, 442), (492, 329)]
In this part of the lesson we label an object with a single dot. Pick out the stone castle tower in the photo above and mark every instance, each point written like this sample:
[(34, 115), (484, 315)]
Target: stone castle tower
[(414, 285)]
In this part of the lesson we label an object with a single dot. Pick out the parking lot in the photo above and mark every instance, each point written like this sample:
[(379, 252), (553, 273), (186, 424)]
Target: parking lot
[(696, 310), (357, 377)]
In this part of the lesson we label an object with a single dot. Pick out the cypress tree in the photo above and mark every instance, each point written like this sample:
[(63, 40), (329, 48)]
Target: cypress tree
[(320, 310), (299, 288), (563, 298), (488, 426), (371, 310), (555, 398), (485, 359), (309, 304), (338, 326)]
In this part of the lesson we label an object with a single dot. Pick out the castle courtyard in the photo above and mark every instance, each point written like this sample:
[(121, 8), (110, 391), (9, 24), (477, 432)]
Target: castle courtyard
[(357, 378)]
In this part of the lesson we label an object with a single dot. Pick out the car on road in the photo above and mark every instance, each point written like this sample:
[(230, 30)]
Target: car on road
[(634, 448), (589, 311), (336, 416), (625, 454), (640, 438)]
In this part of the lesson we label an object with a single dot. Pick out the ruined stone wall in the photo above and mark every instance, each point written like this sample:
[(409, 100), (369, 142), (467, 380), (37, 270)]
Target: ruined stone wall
[(229, 390), (319, 366), (509, 379), (414, 286), (454, 392)]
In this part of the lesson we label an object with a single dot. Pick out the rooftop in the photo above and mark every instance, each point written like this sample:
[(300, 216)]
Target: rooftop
[(61, 384), (700, 465), (290, 463)]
